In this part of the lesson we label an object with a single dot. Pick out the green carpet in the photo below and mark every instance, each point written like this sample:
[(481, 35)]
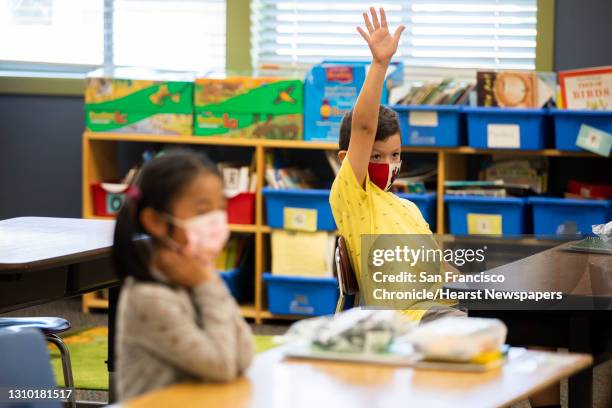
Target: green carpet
[(88, 350)]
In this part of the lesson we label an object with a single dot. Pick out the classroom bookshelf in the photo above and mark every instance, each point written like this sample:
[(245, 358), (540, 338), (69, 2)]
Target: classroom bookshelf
[(100, 162)]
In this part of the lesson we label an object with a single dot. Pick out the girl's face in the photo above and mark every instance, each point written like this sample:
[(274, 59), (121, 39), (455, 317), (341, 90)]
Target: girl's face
[(203, 194)]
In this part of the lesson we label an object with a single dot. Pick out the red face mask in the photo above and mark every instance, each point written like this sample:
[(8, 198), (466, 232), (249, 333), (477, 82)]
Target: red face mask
[(383, 174)]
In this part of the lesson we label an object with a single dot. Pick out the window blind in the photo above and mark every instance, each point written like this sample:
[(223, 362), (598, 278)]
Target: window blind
[(439, 33), (51, 31), (169, 34), (68, 34)]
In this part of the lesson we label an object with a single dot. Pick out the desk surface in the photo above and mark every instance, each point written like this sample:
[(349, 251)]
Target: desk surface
[(572, 273), (33, 242), (275, 382)]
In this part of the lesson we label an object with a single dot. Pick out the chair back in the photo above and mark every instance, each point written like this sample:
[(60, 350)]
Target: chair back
[(25, 364), (344, 270)]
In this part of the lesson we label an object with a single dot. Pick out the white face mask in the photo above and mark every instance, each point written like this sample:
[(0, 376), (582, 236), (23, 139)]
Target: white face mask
[(206, 234)]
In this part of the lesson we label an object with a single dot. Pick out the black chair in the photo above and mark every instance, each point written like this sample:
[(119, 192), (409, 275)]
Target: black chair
[(50, 327), (347, 281)]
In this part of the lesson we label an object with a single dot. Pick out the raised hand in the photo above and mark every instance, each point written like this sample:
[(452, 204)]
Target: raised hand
[(381, 43)]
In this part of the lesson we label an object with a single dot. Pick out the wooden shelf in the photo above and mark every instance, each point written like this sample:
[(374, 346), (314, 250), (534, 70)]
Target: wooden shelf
[(243, 228), (248, 311), (100, 162), (301, 144)]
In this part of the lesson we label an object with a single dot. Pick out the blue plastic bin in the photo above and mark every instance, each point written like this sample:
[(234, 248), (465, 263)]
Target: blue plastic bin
[(511, 209), (434, 125), (318, 199), (553, 216), (236, 283), (301, 295), (499, 128), (427, 205), (568, 122)]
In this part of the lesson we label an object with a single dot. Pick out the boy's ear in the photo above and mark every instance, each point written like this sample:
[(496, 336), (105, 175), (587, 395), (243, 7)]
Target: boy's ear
[(341, 155)]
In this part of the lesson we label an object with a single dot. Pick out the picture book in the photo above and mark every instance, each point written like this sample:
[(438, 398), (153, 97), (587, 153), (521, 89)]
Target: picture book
[(589, 88)]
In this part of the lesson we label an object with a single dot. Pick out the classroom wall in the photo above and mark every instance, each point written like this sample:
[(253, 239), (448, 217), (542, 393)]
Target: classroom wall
[(582, 34), (40, 136)]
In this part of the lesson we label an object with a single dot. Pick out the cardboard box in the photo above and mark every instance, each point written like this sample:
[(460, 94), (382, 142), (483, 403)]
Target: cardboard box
[(515, 89), (249, 107), (139, 90), (139, 101), (139, 122), (331, 89)]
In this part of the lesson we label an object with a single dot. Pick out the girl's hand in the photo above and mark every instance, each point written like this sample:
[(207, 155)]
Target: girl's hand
[(184, 270), (381, 43)]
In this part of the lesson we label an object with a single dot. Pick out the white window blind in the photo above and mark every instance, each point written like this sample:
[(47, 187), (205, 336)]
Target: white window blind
[(169, 34), (439, 33), (160, 34), (52, 31)]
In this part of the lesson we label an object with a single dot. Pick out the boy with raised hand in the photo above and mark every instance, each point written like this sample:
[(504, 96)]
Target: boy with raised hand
[(370, 148)]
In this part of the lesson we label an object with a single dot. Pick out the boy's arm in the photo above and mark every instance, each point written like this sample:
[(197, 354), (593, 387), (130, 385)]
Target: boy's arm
[(365, 114)]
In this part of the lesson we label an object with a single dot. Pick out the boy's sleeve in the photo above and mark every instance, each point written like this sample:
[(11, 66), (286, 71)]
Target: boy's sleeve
[(347, 197)]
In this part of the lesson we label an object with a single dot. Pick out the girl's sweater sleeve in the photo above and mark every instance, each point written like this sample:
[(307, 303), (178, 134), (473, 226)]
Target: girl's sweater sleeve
[(217, 351)]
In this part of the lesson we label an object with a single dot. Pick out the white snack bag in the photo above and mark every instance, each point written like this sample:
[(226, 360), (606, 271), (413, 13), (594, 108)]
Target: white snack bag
[(458, 338), (603, 231)]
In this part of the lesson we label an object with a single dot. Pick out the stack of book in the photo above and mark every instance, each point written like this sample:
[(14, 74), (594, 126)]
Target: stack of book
[(237, 179), (233, 254), (504, 176), (516, 89), (288, 177), (445, 92)]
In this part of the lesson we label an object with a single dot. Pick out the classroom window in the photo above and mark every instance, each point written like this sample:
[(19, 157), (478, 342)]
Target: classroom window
[(169, 34), (161, 34), (52, 31), (439, 33)]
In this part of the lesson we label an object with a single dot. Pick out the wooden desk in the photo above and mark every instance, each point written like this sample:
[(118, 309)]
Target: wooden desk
[(46, 259), (582, 322), (275, 382)]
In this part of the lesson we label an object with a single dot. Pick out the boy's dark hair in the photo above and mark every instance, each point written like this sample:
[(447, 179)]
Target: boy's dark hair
[(388, 124), (160, 181)]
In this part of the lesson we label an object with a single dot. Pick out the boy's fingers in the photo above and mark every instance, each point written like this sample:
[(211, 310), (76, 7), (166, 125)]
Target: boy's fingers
[(398, 33), (383, 18), (366, 19), (374, 18), (363, 34)]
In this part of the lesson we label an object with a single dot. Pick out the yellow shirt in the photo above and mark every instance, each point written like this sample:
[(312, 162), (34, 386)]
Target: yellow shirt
[(370, 210)]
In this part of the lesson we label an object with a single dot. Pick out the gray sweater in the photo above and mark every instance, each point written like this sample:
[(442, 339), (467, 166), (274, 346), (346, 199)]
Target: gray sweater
[(167, 335)]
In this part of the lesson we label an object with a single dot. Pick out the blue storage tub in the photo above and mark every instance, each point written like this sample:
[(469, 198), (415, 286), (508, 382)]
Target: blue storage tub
[(551, 216), (433, 125), (235, 282), (277, 201), (511, 209), (499, 128), (427, 205), (568, 122), (301, 295)]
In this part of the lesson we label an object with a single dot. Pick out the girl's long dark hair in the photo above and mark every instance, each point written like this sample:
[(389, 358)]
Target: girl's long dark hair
[(160, 181)]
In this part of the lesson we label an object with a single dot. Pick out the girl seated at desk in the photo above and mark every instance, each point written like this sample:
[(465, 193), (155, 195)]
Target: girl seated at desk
[(176, 320)]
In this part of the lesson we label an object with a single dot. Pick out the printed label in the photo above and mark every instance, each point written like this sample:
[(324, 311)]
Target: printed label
[(300, 219), (486, 224), (504, 136), (425, 118)]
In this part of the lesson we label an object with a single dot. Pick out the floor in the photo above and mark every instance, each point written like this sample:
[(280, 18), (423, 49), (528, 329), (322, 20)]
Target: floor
[(71, 310)]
